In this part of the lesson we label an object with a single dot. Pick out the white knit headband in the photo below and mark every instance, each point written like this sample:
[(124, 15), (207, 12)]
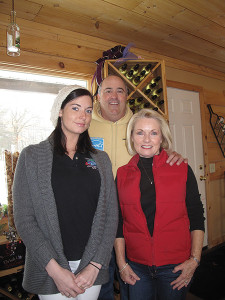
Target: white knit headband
[(63, 93)]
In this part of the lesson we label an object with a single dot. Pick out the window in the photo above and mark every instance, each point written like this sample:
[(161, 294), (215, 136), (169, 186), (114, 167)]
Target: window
[(25, 104)]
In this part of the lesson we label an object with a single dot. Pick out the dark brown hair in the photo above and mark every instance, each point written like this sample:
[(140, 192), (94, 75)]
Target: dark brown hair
[(84, 144)]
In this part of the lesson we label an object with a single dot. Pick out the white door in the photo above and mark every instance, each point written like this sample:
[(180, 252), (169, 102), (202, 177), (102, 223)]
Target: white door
[(185, 125)]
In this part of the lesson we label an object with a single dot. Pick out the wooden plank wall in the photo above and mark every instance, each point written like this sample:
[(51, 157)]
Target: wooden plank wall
[(175, 28), (72, 52), (217, 102), (216, 181), (56, 51)]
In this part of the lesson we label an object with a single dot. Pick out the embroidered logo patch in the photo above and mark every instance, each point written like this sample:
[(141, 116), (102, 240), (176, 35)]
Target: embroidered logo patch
[(90, 163), (98, 143)]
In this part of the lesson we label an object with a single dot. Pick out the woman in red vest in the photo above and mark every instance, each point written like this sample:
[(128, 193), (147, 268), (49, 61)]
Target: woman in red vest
[(161, 215)]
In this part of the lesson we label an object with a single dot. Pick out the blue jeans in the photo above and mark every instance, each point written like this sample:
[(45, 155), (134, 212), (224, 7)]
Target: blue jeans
[(154, 283), (107, 290)]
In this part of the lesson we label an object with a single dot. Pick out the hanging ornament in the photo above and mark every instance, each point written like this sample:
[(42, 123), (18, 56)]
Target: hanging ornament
[(13, 35)]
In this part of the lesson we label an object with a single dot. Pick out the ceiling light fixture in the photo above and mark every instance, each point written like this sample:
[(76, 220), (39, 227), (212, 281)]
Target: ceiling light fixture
[(13, 35)]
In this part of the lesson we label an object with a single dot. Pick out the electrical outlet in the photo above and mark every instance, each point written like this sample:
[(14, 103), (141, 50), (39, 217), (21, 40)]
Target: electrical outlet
[(212, 168)]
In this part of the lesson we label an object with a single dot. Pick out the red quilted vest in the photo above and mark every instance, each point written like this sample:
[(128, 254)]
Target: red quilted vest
[(171, 241)]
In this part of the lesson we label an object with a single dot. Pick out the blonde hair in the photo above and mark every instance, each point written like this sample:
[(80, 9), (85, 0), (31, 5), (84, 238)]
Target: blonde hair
[(164, 127)]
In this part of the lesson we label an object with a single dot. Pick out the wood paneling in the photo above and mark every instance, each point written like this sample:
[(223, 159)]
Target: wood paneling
[(47, 64), (220, 169), (216, 180), (216, 212), (35, 34), (210, 10), (22, 9), (193, 31), (186, 22), (214, 153), (217, 99)]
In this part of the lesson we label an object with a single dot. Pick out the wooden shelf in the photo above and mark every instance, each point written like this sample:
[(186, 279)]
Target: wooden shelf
[(11, 271), (8, 295), (14, 272), (11, 296), (111, 67)]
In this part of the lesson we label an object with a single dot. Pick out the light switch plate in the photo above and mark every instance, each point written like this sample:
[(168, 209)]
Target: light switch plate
[(212, 168)]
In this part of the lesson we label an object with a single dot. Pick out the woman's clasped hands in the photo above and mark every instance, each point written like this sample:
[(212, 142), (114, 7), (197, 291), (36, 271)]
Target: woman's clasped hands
[(64, 279), (69, 284), (86, 278)]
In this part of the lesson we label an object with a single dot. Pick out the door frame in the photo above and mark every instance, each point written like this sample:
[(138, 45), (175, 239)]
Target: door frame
[(199, 89)]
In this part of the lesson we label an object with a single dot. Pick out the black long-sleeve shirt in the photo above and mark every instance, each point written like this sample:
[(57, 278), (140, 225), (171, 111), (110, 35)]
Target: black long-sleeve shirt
[(148, 199)]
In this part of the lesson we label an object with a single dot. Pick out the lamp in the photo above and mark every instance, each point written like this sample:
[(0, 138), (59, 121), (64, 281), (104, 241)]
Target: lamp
[(13, 35)]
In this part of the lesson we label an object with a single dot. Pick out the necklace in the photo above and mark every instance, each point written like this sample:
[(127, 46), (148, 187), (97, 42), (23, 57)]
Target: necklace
[(150, 179)]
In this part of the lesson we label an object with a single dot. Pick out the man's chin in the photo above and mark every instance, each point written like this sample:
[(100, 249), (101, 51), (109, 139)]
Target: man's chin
[(114, 111)]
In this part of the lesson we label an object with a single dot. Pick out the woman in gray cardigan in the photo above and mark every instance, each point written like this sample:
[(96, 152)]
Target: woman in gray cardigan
[(65, 206)]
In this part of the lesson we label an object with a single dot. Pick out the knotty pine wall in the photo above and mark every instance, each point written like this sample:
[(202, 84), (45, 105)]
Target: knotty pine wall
[(49, 50), (215, 184)]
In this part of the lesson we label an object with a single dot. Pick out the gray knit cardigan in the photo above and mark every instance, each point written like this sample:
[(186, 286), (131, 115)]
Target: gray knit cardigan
[(37, 222)]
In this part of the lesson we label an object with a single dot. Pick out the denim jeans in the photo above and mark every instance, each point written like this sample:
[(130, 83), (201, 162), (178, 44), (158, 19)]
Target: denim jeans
[(107, 290), (154, 283)]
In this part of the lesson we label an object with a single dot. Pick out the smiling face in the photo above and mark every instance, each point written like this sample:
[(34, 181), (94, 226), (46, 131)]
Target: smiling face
[(147, 137), (76, 116), (113, 98)]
